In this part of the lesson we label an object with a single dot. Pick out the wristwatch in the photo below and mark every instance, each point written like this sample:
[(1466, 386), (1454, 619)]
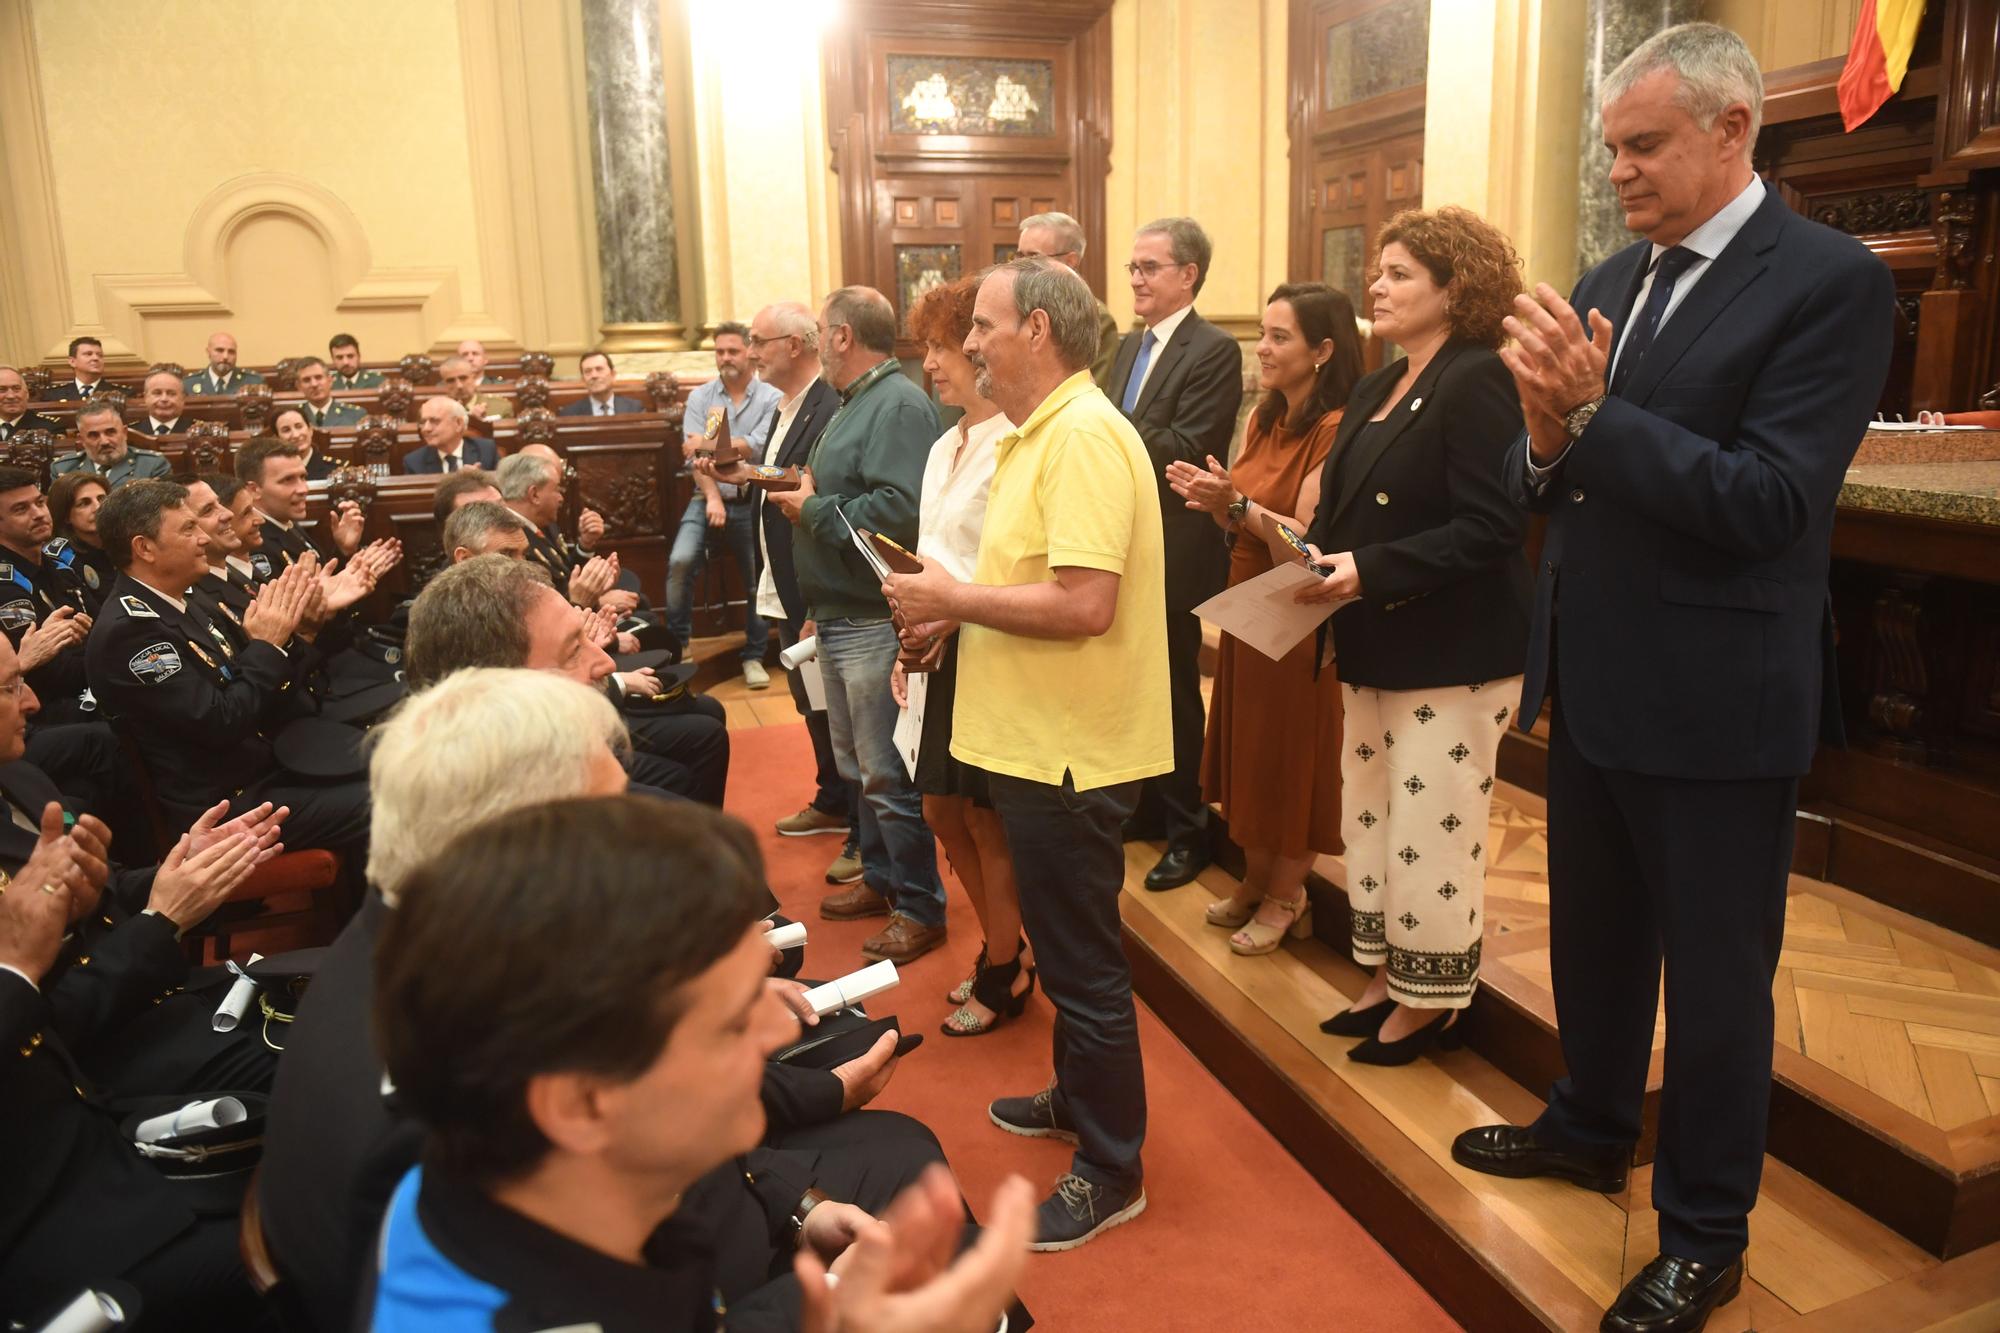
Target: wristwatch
[(808, 1201), (1577, 419), (1239, 508)]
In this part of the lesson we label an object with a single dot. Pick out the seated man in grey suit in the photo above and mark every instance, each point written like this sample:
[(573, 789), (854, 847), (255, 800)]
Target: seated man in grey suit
[(598, 377), (441, 422)]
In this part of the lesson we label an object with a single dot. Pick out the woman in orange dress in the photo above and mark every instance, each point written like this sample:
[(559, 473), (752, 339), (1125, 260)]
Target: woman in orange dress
[(1270, 723)]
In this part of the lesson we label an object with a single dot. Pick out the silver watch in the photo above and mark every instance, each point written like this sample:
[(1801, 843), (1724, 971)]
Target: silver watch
[(1577, 419)]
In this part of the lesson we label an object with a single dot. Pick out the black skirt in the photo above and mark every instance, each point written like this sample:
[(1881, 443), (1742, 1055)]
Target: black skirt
[(938, 774)]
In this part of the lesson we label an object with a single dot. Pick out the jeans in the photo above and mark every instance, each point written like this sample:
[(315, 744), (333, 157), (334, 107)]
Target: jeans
[(833, 794), (690, 553), (898, 853), (1069, 860)]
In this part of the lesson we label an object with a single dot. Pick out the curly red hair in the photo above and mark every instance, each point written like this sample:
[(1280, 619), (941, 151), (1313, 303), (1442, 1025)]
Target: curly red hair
[(1467, 256), (943, 314)]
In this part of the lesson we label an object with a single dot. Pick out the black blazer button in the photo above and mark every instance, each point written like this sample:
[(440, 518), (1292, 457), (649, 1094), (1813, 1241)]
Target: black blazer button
[(1576, 497), (1549, 565)]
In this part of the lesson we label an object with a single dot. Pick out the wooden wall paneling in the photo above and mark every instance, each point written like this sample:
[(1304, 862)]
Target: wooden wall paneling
[(1969, 111), (1357, 154), (916, 203)]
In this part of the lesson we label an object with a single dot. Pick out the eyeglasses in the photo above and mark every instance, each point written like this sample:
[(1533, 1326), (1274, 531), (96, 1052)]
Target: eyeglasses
[(12, 689), (755, 341), (1150, 268)]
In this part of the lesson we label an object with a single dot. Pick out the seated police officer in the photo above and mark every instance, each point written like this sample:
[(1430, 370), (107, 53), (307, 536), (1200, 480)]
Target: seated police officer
[(100, 429), (81, 1206), (42, 602), (201, 715), (592, 1096), (276, 473)]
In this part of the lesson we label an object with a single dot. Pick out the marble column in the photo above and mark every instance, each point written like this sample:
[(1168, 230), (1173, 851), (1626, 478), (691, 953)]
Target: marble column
[(631, 171), (1612, 30)]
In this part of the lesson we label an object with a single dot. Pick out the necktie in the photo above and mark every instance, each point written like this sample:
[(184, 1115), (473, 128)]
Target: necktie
[(1667, 271), (451, 462), (1145, 359)]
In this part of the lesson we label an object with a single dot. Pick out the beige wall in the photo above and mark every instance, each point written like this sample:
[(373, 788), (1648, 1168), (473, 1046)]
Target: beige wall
[(1789, 32), (409, 173), (1501, 122), (1198, 127)]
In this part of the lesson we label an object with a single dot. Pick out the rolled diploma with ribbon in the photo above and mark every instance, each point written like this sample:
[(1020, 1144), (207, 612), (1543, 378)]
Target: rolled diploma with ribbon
[(190, 1119), (237, 1003)]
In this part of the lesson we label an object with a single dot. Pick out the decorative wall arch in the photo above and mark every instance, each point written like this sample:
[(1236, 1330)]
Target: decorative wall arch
[(232, 204)]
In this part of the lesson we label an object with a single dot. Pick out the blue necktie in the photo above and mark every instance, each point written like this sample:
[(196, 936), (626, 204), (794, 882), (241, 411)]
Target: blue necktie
[(1667, 271), (1139, 371)]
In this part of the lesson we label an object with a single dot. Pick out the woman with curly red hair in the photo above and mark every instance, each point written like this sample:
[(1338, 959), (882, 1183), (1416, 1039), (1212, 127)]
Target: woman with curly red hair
[(1423, 535)]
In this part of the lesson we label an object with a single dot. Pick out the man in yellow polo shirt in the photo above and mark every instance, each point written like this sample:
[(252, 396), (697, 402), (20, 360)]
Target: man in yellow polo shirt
[(1062, 698)]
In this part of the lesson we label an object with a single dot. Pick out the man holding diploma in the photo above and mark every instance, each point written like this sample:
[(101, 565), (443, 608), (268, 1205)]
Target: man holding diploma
[(1063, 700)]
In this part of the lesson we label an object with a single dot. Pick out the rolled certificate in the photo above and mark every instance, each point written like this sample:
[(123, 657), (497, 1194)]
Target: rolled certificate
[(852, 988), (786, 937), (190, 1119), (805, 650), (234, 1005), (91, 1312)]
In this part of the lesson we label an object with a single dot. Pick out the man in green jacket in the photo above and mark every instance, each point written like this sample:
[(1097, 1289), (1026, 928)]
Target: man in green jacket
[(867, 471)]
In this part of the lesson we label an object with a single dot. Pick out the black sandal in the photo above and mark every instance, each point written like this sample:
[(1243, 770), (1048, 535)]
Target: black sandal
[(994, 988)]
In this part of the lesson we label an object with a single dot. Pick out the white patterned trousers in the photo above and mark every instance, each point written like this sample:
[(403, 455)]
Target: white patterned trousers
[(1416, 785)]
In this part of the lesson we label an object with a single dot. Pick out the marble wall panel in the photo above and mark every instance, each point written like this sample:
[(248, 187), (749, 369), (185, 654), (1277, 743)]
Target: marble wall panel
[(631, 167), (1377, 52), (1613, 30)]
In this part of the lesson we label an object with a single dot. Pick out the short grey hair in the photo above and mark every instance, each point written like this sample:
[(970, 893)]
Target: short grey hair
[(792, 320), (97, 407), (453, 360), (520, 473), (151, 375), (868, 313), (473, 524), (1189, 243), (1068, 231), (473, 614), (481, 744), (1054, 288), (1715, 67)]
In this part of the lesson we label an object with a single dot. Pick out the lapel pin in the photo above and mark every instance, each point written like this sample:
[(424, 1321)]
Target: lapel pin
[(1416, 403)]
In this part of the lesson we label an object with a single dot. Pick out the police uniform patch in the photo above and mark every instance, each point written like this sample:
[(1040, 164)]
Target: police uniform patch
[(154, 663), (90, 576), (260, 565), (17, 614), (138, 606), (6, 572)]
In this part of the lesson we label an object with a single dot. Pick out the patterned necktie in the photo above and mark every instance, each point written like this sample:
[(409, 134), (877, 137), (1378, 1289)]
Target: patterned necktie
[(451, 462), (1667, 271), (1145, 359)]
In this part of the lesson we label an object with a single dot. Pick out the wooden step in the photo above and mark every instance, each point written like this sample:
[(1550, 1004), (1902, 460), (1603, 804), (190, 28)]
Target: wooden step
[(1498, 1254), (1886, 1071)]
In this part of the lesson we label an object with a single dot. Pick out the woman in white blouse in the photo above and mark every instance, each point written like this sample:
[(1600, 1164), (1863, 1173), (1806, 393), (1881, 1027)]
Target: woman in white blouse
[(951, 512)]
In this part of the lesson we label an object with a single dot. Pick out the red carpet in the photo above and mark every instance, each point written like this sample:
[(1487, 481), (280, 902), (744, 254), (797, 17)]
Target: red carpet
[(1236, 1235)]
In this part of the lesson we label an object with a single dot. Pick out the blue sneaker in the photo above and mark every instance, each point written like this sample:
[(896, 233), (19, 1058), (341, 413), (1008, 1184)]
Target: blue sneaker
[(1079, 1209), (1032, 1117)]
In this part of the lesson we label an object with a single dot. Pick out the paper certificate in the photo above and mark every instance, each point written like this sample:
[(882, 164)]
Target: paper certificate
[(1261, 612)]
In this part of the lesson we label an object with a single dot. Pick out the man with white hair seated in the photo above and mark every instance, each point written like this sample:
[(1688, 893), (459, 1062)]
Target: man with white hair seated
[(484, 527), (441, 422), (483, 743)]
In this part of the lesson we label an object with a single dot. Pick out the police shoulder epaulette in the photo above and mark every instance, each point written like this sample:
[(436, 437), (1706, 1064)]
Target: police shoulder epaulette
[(138, 606)]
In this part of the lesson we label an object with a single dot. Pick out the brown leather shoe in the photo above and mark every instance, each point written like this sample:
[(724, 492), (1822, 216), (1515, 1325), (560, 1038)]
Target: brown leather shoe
[(853, 904), (902, 941)]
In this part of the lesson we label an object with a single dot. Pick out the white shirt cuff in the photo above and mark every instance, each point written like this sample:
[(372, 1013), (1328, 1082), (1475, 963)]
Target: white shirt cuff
[(1538, 475)]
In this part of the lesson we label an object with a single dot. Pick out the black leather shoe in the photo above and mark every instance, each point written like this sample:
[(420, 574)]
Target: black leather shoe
[(1176, 868), (1673, 1295), (1512, 1150)]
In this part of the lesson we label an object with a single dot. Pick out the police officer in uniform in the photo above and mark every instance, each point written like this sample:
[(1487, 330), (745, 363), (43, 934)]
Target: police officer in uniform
[(42, 595), (100, 427), (320, 409), (202, 717), (278, 475)]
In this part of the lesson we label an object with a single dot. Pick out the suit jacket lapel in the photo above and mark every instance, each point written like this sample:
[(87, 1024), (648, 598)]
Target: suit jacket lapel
[(1741, 263), (1376, 442), (1164, 361)]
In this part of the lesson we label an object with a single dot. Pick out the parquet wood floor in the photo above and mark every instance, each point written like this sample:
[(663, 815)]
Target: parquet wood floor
[(1811, 1253)]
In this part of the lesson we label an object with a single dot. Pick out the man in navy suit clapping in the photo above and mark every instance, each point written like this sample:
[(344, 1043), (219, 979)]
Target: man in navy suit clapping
[(1688, 445)]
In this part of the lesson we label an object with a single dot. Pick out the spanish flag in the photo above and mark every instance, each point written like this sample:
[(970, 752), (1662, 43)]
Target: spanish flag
[(1879, 57)]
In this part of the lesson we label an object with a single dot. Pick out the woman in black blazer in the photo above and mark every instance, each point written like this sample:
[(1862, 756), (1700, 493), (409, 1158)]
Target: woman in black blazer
[(1425, 536)]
